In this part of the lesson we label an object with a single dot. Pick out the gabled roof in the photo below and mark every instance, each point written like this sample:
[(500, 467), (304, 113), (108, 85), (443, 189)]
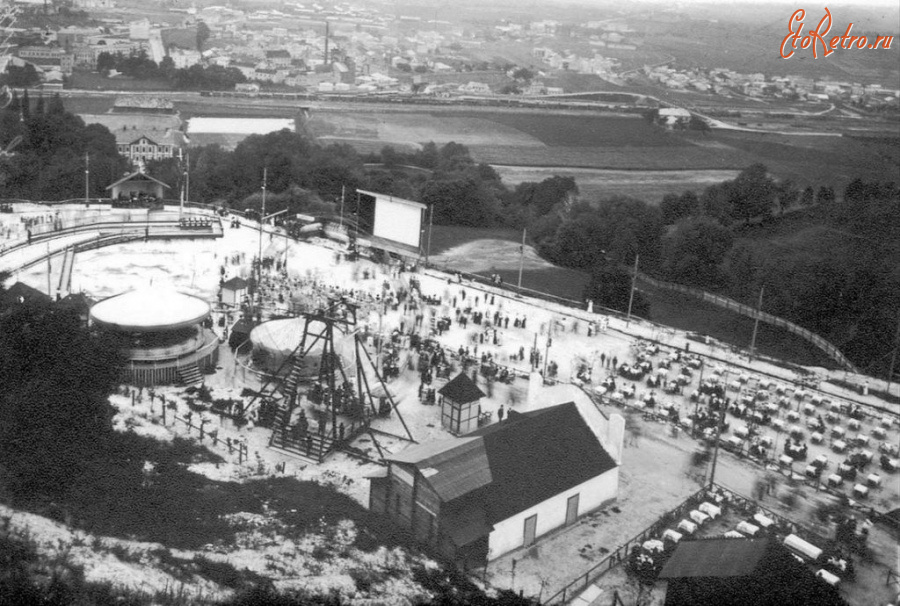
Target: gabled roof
[(539, 454), (452, 467), (138, 176), (510, 466), (461, 389)]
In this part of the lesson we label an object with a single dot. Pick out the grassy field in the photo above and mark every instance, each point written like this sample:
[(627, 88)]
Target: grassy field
[(445, 237), (595, 184), (587, 130), (690, 314)]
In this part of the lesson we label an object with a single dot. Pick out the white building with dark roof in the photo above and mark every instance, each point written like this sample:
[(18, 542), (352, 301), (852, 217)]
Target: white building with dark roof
[(499, 488)]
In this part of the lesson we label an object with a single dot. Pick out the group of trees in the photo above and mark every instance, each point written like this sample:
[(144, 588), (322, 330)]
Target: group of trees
[(54, 411), (49, 146), (833, 273), (138, 64)]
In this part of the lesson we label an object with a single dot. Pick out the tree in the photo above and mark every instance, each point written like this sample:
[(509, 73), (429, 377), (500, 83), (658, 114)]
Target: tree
[(694, 251), (610, 287), (523, 73), (752, 193), (542, 197), (825, 196), (699, 124), (674, 208), (106, 62), (808, 197), (21, 77), (786, 195), (54, 413), (460, 200), (202, 35)]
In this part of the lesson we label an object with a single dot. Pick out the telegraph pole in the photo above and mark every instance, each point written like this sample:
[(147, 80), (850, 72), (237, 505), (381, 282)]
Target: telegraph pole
[(521, 260), (430, 223), (756, 323), (183, 185), (259, 258), (637, 259), (720, 420), (341, 224), (87, 179), (893, 356)]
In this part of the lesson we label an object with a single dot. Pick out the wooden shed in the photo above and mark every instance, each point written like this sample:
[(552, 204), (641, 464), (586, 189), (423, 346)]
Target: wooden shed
[(460, 405)]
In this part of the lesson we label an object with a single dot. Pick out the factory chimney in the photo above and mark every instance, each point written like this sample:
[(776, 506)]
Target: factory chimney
[(326, 43)]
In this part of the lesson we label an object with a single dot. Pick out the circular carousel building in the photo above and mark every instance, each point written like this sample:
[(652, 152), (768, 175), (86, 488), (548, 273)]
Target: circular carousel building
[(164, 334)]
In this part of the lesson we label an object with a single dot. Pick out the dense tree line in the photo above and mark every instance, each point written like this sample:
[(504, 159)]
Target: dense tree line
[(138, 64), (49, 146), (54, 413), (835, 274)]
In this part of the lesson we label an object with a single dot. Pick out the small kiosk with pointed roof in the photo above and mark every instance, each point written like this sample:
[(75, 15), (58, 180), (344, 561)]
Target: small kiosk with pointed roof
[(460, 405)]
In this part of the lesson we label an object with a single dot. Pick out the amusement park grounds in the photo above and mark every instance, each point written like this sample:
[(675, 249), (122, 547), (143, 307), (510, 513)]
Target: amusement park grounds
[(648, 488), (668, 308)]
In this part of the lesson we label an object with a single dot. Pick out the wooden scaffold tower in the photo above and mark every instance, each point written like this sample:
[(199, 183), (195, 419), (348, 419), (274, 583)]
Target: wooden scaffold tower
[(340, 394)]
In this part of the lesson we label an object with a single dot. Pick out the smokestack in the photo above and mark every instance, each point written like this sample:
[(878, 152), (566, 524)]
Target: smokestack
[(326, 43)]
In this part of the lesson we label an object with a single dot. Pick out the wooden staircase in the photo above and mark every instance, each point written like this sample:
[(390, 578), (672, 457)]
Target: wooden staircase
[(312, 446), (189, 374)]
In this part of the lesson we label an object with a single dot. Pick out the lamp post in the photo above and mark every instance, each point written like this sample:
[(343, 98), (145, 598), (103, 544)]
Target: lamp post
[(521, 261)]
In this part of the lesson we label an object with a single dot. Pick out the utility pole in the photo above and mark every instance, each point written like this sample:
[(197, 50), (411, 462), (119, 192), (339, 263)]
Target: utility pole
[(49, 287), (521, 260), (430, 223), (259, 258), (183, 185), (637, 259), (341, 224), (719, 422), (756, 323), (893, 356), (87, 179)]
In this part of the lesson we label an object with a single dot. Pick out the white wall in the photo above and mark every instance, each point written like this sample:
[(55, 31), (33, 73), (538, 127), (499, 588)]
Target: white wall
[(551, 514), (398, 221)]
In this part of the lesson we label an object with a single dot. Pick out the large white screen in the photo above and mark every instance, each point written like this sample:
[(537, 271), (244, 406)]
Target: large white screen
[(398, 222)]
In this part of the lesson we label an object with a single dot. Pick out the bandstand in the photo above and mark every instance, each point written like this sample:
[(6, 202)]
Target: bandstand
[(161, 332)]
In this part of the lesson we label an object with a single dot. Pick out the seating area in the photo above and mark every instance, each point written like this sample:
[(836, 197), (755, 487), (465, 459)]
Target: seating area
[(195, 223)]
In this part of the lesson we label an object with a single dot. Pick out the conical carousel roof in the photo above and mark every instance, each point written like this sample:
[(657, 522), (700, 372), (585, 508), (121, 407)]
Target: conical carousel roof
[(154, 309), (285, 335)]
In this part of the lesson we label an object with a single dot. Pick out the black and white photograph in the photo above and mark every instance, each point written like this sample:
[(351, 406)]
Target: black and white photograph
[(419, 302)]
